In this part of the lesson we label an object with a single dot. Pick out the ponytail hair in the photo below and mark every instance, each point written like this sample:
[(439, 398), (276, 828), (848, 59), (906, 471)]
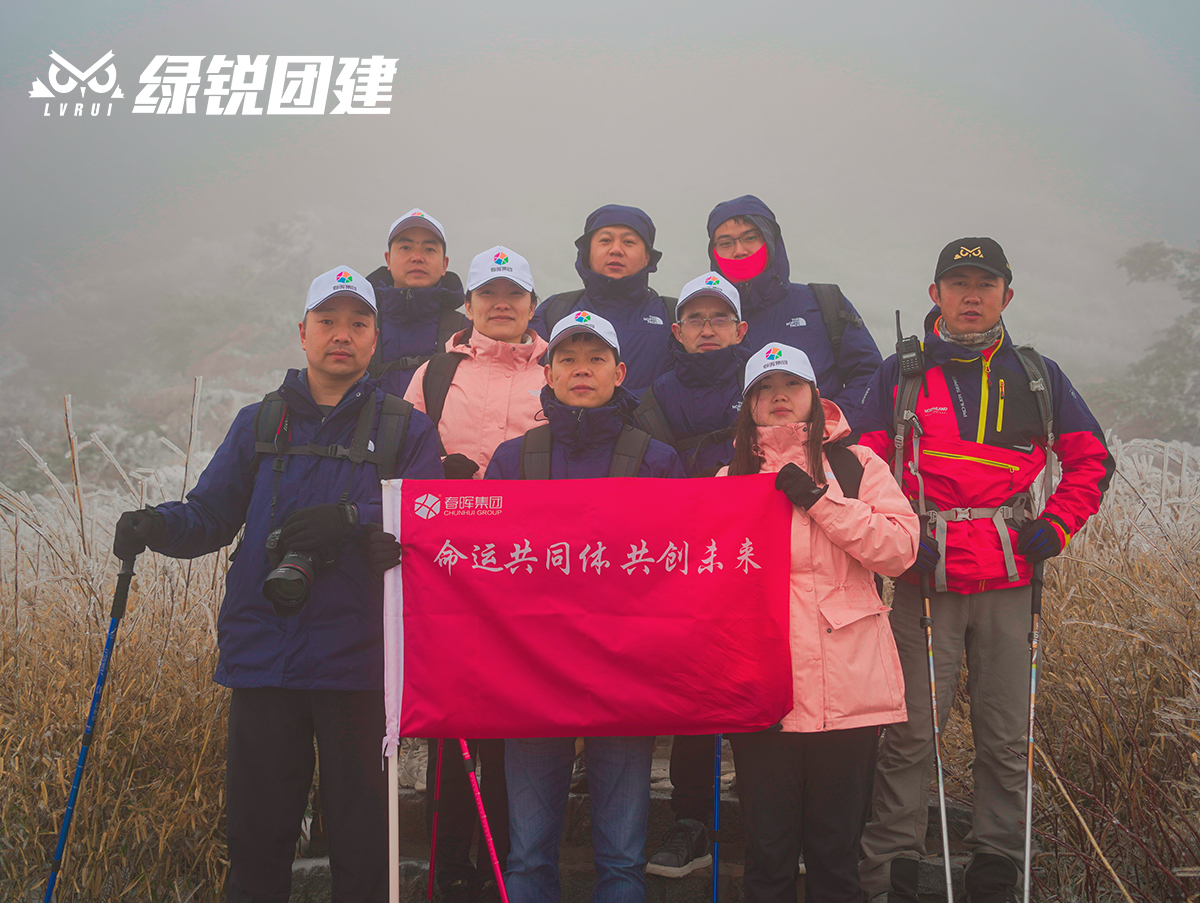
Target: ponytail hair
[(747, 458)]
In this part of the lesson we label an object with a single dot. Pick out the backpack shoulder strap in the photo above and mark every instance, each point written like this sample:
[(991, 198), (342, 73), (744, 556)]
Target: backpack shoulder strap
[(671, 305), (452, 321), (836, 314), (394, 417), (270, 433), (1039, 383), (904, 417), (435, 385), (649, 416), (558, 307), (846, 467), (535, 453), (629, 452)]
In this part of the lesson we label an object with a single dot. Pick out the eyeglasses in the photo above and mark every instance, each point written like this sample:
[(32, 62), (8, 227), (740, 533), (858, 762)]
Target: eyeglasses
[(751, 241), (695, 324)]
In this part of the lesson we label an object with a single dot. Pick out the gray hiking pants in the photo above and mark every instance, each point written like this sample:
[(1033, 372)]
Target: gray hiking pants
[(992, 628)]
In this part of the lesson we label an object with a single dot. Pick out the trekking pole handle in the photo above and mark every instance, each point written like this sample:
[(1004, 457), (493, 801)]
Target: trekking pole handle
[(1036, 582), (121, 596)]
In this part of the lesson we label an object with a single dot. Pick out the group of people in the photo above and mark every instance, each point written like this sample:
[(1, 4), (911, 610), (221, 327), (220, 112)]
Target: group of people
[(412, 374)]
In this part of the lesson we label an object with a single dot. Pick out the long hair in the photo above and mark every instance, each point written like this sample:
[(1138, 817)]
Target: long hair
[(746, 455)]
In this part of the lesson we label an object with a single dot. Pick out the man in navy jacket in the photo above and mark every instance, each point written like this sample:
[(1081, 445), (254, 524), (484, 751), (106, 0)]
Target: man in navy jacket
[(319, 671), (615, 259), (746, 247)]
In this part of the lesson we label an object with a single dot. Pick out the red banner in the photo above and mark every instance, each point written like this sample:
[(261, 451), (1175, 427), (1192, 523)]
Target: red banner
[(587, 607)]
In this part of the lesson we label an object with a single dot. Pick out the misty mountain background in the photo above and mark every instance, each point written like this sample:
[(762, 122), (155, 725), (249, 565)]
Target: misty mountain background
[(143, 250)]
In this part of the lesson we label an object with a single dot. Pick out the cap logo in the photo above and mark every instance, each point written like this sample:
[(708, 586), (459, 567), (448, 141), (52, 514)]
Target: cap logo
[(418, 213), (500, 259), (343, 276), (774, 354), (582, 316), (968, 252), (712, 280)]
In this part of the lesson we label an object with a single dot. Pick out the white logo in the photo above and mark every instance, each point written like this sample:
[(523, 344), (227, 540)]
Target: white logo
[(653, 321), (427, 506), (103, 83), (797, 321)]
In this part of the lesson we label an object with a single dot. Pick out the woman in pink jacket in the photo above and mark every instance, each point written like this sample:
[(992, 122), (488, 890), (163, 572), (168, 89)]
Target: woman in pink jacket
[(484, 389), (494, 377), (803, 788)]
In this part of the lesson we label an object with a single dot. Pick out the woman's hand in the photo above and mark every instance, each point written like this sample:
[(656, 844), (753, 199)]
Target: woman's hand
[(801, 489)]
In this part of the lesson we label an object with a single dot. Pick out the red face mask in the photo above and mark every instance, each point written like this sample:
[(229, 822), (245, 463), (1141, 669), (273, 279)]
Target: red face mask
[(743, 269)]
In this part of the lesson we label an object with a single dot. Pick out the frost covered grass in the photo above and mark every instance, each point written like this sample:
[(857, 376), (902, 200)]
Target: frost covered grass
[(1117, 780)]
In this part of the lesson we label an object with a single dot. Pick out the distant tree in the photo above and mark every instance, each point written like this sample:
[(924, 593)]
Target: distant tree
[(1161, 394)]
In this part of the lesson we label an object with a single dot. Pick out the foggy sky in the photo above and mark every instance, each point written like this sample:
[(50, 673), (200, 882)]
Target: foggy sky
[(877, 134)]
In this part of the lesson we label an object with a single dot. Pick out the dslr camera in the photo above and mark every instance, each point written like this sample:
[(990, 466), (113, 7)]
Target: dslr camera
[(289, 584)]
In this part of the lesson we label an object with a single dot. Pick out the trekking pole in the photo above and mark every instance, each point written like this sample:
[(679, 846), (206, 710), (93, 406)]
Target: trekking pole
[(483, 822), (437, 794), (120, 597), (716, 844), (1035, 617), (927, 625)]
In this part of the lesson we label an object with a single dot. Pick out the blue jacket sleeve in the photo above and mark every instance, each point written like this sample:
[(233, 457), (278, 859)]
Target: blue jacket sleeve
[(216, 508), (506, 461)]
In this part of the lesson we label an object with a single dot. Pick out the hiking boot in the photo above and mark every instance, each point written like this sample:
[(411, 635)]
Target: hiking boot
[(992, 879), (903, 880), (415, 766), (579, 774), (460, 891), (684, 850)]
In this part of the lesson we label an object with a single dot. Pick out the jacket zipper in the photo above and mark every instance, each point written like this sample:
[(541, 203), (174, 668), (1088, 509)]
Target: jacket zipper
[(1011, 468), (1000, 409), (983, 400)]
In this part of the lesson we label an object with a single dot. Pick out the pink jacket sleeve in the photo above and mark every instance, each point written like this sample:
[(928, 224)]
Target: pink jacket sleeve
[(879, 528)]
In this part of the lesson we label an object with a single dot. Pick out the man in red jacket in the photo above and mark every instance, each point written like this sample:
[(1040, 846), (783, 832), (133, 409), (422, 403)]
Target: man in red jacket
[(980, 443)]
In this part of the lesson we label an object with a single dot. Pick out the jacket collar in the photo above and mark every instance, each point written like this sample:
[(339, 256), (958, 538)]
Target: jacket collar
[(938, 351), (786, 442), (712, 368), (481, 348), (296, 393)]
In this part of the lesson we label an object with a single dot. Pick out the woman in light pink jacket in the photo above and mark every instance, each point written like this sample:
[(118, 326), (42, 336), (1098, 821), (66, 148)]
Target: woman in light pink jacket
[(495, 390), (494, 393), (803, 788)]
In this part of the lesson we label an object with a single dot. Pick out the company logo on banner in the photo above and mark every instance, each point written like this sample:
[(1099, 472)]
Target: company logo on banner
[(240, 85), (588, 607)]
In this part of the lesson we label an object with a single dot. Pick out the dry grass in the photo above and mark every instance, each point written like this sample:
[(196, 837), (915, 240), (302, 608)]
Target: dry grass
[(1119, 701)]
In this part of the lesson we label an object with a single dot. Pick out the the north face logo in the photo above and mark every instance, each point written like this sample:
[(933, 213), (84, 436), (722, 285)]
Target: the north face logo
[(653, 320), (427, 506), (797, 321)]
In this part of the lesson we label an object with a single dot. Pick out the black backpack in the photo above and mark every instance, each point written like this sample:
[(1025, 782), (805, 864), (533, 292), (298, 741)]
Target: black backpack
[(649, 416), (836, 315)]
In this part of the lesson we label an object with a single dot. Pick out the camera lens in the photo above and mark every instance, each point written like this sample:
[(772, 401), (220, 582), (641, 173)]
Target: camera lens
[(287, 587)]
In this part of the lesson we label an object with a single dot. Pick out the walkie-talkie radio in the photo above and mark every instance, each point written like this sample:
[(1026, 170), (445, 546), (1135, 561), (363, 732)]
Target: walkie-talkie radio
[(908, 352)]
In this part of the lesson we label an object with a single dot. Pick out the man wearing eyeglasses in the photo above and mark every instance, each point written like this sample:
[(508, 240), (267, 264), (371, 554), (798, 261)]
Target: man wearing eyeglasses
[(692, 407), (746, 247)]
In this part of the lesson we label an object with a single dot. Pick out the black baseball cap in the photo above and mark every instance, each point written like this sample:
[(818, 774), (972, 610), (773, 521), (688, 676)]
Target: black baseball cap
[(984, 253)]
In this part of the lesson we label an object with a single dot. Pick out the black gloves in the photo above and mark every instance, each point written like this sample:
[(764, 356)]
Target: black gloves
[(136, 530), (1038, 540), (928, 553), (459, 467), (382, 550), (801, 489), (318, 527)]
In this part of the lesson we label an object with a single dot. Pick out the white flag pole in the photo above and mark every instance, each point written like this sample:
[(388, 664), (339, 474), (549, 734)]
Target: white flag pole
[(393, 644)]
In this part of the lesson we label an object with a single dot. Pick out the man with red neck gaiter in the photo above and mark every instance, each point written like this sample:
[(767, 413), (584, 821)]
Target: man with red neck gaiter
[(746, 246)]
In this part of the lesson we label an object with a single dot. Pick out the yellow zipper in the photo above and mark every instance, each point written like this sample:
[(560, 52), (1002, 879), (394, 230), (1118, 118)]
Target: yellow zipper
[(1000, 409), (983, 399), (1011, 468)]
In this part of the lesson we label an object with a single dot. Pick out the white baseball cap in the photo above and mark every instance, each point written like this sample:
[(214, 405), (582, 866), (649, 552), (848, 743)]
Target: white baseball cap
[(416, 217), (499, 263), (772, 357), (339, 281), (584, 321), (715, 285)]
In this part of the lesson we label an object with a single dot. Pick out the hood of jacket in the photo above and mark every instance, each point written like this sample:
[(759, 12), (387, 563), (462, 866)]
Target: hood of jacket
[(585, 428), (407, 305), (479, 347), (786, 442), (771, 285), (633, 288), (711, 368)]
